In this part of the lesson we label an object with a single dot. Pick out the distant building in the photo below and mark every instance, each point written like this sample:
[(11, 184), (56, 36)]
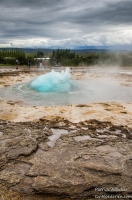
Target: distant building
[(41, 58)]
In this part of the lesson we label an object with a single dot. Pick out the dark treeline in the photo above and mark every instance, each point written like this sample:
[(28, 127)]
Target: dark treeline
[(9, 56), (40, 54), (65, 57), (68, 58)]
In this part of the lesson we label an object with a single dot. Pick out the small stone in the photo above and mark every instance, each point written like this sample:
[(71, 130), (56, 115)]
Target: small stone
[(1, 133), (72, 127), (84, 128), (123, 135), (73, 131)]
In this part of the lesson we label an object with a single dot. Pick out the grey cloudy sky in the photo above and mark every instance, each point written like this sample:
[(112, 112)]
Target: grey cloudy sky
[(65, 23)]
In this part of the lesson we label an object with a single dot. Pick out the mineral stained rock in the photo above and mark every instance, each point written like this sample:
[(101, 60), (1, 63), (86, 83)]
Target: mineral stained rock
[(86, 160)]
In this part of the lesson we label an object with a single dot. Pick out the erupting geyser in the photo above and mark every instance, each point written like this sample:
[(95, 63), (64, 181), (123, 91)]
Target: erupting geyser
[(53, 82)]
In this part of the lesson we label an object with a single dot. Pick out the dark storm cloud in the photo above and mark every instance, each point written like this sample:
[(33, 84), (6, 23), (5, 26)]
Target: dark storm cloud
[(63, 19), (30, 3), (114, 13), (117, 12)]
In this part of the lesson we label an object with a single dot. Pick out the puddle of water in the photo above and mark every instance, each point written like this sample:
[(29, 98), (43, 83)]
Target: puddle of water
[(56, 135)]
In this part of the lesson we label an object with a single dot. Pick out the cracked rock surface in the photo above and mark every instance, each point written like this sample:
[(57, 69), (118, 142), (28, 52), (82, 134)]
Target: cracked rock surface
[(83, 158)]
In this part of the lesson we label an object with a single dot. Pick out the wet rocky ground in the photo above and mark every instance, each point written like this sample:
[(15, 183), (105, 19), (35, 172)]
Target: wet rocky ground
[(86, 160), (69, 152)]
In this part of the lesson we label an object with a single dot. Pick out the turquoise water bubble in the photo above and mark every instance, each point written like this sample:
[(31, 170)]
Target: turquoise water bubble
[(53, 82)]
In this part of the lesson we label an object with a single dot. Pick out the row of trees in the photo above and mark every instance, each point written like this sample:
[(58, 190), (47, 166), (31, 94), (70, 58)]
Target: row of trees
[(9, 56), (61, 54), (40, 54), (68, 58), (65, 57), (12, 53)]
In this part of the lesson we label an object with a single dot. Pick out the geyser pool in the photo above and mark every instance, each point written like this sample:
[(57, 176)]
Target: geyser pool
[(53, 82), (64, 91)]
